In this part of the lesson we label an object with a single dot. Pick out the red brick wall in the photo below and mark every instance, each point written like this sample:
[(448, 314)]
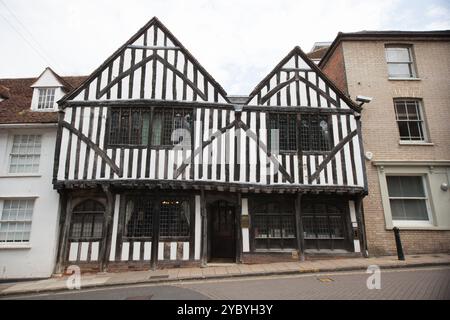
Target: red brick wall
[(335, 69)]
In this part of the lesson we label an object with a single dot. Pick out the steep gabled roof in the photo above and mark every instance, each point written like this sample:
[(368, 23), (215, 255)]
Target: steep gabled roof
[(300, 59), (129, 49), (66, 86)]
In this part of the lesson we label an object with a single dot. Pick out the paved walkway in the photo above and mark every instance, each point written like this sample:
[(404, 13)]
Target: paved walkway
[(223, 271)]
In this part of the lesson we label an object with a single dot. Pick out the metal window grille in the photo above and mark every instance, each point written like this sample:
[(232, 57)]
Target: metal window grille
[(174, 219), (410, 123), (46, 98), (139, 217), (15, 220), (87, 221), (286, 124), (315, 133), (25, 154)]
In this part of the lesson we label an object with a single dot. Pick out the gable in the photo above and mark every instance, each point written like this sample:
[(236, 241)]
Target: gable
[(153, 64), (298, 82), (47, 79)]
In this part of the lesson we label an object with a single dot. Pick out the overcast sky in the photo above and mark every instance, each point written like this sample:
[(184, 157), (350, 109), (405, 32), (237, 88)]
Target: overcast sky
[(237, 41)]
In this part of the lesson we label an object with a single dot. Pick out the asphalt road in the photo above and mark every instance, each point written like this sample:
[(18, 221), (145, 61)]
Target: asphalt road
[(421, 283)]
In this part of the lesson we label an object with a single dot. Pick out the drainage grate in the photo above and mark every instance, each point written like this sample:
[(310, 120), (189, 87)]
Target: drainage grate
[(325, 279), (159, 276)]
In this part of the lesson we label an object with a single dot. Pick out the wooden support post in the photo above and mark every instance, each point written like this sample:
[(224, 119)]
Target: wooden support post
[(64, 222), (105, 248), (361, 227), (238, 215), (299, 227), (155, 238), (204, 214)]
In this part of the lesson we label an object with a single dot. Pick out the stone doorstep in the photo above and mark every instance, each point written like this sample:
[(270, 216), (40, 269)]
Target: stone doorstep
[(168, 275)]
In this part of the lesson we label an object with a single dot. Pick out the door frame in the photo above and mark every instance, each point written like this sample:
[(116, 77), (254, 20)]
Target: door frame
[(235, 200)]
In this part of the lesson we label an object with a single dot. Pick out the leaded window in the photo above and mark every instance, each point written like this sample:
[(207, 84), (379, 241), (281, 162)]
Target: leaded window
[(324, 224), (87, 221), (171, 127), (315, 132), (273, 224), (15, 220), (408, 198), (139, 217), (25, 154), (174, 219), (131, 126), (400, 62), (46, 98), (286, 124), (408, 114)]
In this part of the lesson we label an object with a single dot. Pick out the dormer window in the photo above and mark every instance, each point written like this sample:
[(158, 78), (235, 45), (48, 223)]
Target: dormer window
[(46, 98)]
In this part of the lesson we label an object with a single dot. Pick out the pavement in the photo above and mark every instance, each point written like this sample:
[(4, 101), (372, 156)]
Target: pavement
[(221, 271)]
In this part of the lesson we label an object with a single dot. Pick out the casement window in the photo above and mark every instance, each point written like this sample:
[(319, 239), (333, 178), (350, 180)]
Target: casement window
[(273, 224), (131, 126), (87, 221), (286, 124), (315, 133), (408, 198), (46, 98), (400, 62), (410, 121), (323, 225), (171, 127), (25, 154), (15, 220), (139, 217), (174, 219)]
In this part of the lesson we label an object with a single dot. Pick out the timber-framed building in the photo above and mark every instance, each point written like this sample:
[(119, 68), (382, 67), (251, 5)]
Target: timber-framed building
[(156, 165)]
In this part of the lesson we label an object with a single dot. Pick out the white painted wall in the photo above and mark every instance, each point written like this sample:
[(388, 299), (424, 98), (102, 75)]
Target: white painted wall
[(37, 258)]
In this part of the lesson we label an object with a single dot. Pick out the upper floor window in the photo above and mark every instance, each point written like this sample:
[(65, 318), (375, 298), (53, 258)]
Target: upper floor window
[(131, 126), (46, 98), (400, 61), (409, 116), (25, 154), (15, 220), (286, 124), (407, 197), (315, 133)]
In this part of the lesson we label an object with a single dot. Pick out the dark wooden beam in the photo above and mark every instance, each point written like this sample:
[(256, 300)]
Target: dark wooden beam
[(237, 224), (204, 237), (299, 227), (361, 226), (105, 248), (155, 240), (152, 47), (65, 217)]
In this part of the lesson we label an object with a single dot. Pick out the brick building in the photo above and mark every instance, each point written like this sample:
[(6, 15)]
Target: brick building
[(406, 132)]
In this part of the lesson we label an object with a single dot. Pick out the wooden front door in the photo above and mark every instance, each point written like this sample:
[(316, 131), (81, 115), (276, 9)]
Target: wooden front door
[(222, 230)]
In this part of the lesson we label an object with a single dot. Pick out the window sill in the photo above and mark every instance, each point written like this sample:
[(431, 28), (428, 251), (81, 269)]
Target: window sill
[(404, 79), (413, 225), (25, 175), (414, 143), (14, 246)]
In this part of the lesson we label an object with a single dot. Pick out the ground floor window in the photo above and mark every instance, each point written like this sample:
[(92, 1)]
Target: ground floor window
[(273, 223), (87, 221), (324, 224), (407, 198), (174, 217), (15, 220)]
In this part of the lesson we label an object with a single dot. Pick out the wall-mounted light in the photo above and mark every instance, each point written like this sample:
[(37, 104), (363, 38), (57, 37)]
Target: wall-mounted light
[(444, 186)]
